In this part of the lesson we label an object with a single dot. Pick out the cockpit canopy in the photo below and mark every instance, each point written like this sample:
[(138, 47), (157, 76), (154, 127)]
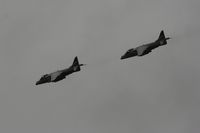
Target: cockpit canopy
[(44, 76), (130, 50), (44, 79)]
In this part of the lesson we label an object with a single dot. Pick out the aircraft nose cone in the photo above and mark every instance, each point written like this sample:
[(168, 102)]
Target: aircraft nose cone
[(122, 57), (37, 83)]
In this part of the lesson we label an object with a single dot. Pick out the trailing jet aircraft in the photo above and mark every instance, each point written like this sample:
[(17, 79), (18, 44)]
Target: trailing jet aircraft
[(146, 48), (60, 74)]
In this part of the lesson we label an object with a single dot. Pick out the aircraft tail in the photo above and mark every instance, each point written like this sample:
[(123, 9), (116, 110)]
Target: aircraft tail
[(76, 66), (162, 39)]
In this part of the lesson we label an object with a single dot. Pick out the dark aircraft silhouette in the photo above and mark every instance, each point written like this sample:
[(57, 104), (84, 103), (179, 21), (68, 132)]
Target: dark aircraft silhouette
[(60, 74), (146, 48)]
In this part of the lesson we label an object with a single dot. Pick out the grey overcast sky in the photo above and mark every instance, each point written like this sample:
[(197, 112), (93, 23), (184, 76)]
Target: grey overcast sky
[(157, 93)]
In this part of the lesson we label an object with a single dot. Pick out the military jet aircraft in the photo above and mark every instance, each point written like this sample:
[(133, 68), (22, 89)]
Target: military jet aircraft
[(146, 48), (60, 74)]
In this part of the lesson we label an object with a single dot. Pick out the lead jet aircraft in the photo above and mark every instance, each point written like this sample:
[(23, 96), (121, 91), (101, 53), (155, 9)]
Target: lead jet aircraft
[(146, 48), (60, 74)]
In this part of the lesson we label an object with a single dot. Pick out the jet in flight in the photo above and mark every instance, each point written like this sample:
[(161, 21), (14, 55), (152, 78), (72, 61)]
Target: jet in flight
[(146, 48), (60, 74)]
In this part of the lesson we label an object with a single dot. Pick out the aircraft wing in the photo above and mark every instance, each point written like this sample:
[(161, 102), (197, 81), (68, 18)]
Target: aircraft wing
[(54, 75), (147, 48), (143, 49)]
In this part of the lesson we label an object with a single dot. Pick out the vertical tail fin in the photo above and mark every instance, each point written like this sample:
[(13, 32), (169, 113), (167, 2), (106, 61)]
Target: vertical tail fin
[(76, 66), (162, 39), (162, 35), (75, 63)]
